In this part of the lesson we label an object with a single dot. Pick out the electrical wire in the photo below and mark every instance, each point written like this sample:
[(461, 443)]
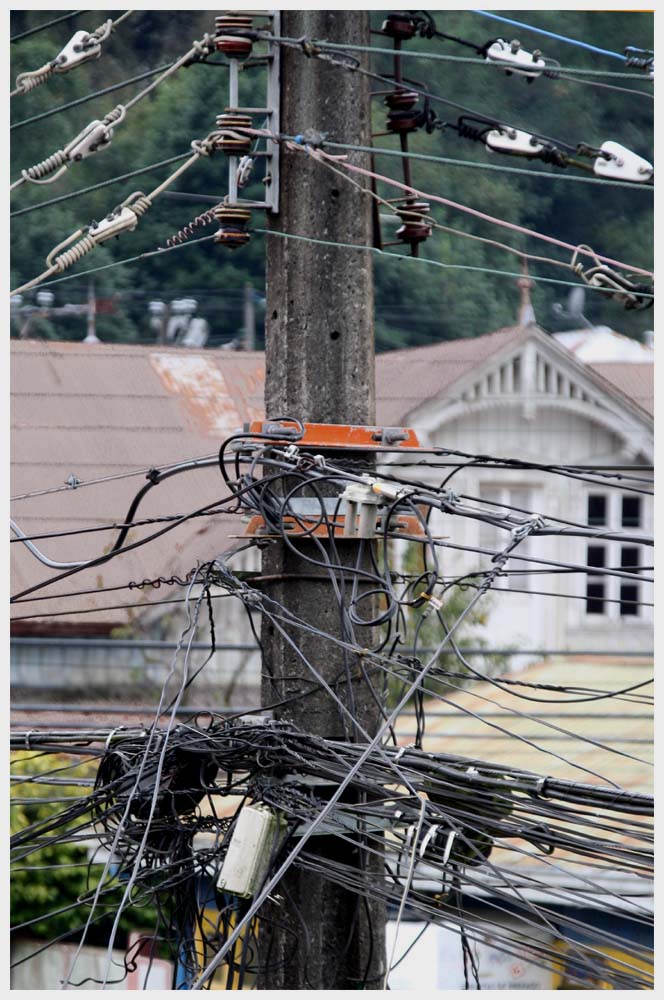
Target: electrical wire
[(552, 34), (98, 186), (47, 24), (426, 260), (89, 97)]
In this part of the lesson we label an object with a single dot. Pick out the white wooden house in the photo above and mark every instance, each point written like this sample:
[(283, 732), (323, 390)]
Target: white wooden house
[(519, 393)]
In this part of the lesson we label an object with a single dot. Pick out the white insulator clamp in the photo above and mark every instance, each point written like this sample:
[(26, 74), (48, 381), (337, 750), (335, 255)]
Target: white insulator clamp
[(514, 59), (622, 164), (512, 140), (120, 221), (94, 136), (81, 47)]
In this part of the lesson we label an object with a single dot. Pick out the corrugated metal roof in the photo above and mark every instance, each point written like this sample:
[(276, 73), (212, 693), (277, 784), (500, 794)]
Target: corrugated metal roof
[(98, 410), (598, 742)]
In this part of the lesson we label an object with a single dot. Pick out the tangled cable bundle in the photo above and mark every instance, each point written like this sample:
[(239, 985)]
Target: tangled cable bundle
[(208, 817), (432, 832)]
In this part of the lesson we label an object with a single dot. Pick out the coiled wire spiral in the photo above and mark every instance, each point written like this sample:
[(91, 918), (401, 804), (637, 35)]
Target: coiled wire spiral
[(74, 254), (204, 219), (56, 161), (25, 82)]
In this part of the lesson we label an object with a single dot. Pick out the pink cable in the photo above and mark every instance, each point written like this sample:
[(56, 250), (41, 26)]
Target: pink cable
[(482, 215)]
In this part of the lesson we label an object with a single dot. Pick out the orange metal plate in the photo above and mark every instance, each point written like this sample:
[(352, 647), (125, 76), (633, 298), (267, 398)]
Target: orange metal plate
[(347, 436)]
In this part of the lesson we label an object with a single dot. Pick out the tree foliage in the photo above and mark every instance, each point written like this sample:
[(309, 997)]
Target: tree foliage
[(415, 303), (48, 882)]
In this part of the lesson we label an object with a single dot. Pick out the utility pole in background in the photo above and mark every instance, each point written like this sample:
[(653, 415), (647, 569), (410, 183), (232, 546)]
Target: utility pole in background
[(91, 336), (249, 318), (320, 368)]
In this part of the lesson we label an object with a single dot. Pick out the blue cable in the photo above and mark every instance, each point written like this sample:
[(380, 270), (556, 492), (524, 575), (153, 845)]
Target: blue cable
[(552, 34)]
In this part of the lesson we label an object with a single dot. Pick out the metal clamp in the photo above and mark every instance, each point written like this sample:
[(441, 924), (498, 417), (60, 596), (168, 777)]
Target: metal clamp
[(120, 221), (81, 47), (514, 59), (514, 141), (618, 162)]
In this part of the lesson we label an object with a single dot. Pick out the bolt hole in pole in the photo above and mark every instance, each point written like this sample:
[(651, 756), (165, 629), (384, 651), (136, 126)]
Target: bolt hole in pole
[(335, 335)]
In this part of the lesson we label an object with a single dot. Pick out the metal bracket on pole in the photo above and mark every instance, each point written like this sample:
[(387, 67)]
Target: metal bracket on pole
[(270, 158)]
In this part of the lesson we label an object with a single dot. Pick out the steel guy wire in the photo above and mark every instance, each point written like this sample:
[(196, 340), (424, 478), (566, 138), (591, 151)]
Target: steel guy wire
[(90, 97), (444, 57), (389, 255), (323, 45), (127, 260), (478, 165), (67, 487), (101, 184), (47, 24)]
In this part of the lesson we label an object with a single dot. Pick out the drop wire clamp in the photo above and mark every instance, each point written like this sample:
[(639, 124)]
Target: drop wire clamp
[(514, 59)]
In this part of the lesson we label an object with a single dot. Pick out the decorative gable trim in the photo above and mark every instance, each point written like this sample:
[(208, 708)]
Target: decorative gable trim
[(535, 372)]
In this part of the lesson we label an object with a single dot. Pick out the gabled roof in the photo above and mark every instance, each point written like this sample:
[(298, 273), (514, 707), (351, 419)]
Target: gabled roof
[(408, 378)]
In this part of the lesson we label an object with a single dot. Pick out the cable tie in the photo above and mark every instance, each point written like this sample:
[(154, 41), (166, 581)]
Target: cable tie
[(431, 832), (72, 482), (448, 846)]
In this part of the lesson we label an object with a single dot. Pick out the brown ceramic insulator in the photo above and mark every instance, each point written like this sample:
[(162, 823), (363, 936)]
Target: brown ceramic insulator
[(415, 228), (401, 122), (233, 46), (401, 100), (233, 220), (399, 24), (234, 145)]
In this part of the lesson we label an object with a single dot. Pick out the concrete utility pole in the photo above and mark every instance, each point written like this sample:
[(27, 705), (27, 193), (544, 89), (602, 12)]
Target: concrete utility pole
[(320, 368)]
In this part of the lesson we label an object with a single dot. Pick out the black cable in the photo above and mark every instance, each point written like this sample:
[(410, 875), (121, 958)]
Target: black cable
[(90, 97), (47, 24), (99, 185)]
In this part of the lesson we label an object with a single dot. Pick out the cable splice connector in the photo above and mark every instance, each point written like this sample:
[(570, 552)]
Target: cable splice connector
[(640, 59)]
